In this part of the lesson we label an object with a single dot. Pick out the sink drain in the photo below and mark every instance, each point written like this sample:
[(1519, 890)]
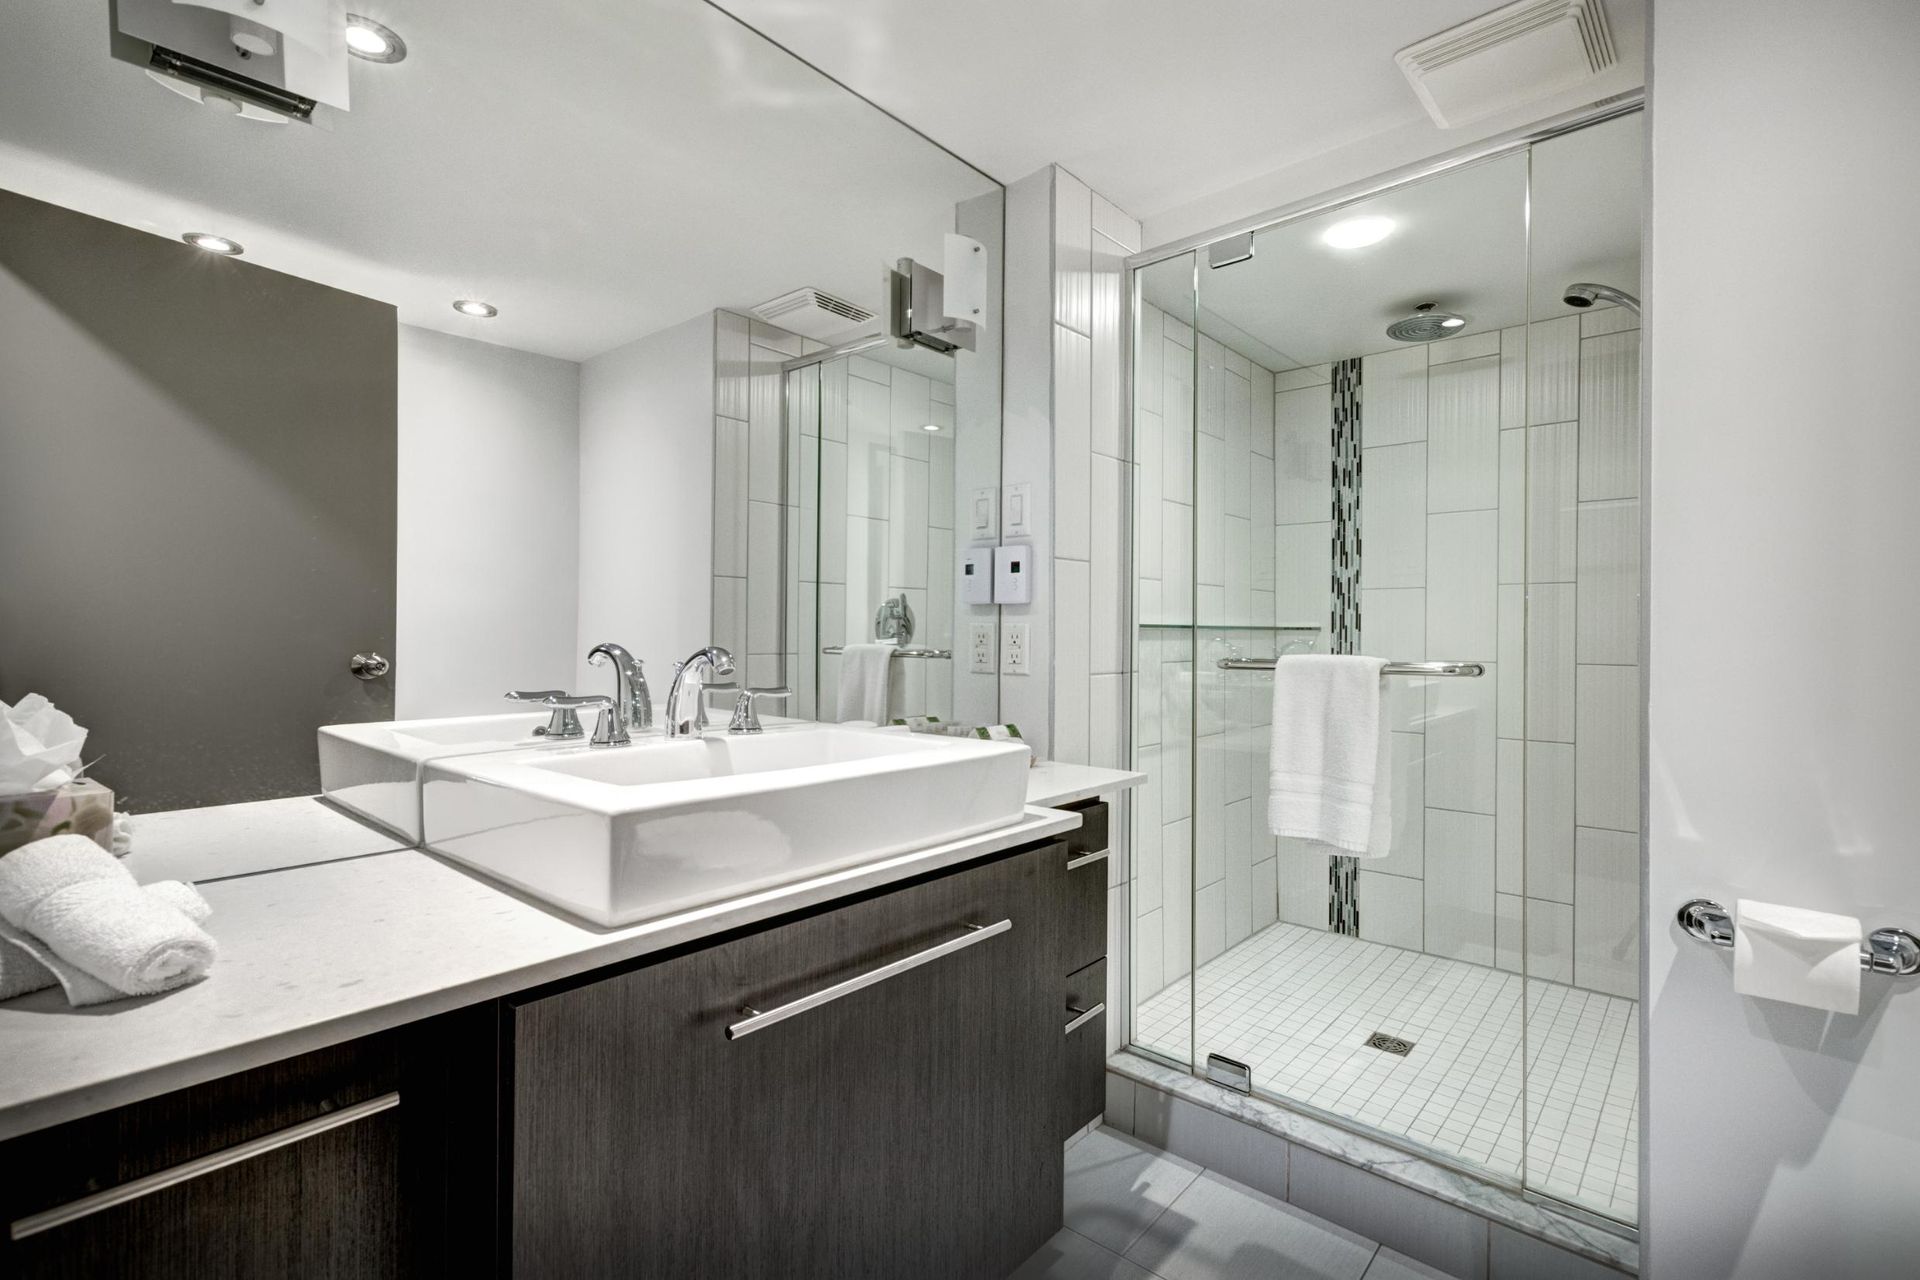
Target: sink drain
[(1389, 1044)]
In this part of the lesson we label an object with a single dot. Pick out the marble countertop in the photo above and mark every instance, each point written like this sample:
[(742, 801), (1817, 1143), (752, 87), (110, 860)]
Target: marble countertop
[(328, 932), (1054, 783)]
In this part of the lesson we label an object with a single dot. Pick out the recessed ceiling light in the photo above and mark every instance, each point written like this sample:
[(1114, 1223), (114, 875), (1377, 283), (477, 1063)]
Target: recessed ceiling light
[(931, 426), (212, 243), (1452, 322), (474, 307), (1357, 233), (368, 39)]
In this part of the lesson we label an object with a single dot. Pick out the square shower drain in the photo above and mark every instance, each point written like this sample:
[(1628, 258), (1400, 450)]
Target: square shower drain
[(1389, 1044)]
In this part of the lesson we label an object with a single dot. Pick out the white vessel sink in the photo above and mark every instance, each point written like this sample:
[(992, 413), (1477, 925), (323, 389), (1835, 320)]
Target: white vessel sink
[(374, 769), (629, 833)]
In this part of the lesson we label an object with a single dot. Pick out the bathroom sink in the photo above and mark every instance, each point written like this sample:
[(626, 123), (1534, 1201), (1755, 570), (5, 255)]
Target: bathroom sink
[(374, 769), (623, 834)]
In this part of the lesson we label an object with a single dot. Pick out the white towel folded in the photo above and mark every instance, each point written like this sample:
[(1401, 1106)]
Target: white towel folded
[(20, 970), (871, 683), (73, 907), (1331, 771)]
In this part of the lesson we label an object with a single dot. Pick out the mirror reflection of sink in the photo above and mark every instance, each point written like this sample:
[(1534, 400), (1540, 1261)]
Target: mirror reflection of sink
[(625, 834), (374, 769)]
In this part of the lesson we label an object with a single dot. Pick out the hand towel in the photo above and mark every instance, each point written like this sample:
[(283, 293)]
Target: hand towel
[(84, 910), (20, 970), (871, 682), (1332, 770), (28, 964)]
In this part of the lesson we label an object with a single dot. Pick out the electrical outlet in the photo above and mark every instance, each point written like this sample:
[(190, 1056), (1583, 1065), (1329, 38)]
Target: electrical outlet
[(981, 640), (1013, 649)]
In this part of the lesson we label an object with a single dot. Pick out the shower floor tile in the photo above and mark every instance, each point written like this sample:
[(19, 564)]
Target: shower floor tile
[(1298, 1006)]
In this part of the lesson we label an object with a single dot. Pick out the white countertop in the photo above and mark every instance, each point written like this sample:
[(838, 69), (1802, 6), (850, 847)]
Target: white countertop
[(324, 938), (1054, 783)]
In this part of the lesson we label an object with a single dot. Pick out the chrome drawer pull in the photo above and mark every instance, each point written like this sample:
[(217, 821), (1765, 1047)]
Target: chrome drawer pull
[(758, 1020), (1087, 859), (1086, 1016), (73, 1210)]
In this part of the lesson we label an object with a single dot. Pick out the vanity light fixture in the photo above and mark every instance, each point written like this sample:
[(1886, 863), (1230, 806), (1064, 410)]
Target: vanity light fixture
[(213, 244), (473, 307), (368, 39), (1357, 233)]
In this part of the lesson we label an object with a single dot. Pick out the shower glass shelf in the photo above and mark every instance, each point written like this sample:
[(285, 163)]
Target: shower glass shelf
[(1224, 626)]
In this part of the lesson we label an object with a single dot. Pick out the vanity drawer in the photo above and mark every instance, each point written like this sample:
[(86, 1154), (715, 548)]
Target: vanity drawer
[(1084, 928), (1083, 1087)]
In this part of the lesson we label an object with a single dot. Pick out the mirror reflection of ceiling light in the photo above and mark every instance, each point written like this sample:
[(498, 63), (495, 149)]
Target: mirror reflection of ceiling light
[(368, 39), (1452, 322), (477, 309), (212, 243), (931, 426), (1357, 233)]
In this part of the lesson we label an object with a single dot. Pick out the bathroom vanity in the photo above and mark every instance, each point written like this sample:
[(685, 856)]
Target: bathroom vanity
[(398, 1068)]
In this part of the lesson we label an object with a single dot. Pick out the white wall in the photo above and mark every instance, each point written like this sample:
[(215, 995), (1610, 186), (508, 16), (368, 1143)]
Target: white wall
[(646, 502), (1785, 461), (488, 477)]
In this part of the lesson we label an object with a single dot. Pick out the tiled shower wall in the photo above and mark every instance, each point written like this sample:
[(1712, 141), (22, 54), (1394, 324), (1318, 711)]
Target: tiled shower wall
[(1453, 567), (885, 503)]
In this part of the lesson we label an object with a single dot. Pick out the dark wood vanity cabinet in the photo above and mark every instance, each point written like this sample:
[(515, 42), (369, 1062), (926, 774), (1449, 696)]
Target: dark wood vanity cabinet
[(1082, 1090), (900, 1128), (903, 1121)]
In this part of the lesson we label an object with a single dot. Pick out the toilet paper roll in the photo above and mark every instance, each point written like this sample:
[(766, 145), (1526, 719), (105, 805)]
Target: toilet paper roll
[(1804, 957)]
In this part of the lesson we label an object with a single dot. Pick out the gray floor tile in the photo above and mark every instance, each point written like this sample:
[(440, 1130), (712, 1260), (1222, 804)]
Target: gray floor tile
[(1219, 1230), (1388, 1265), (1071, 1256), (1116, 1187)]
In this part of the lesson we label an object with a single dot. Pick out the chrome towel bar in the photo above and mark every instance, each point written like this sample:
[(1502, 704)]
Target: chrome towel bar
[(756, 1020), (1391, 669), (902, 653), (1894, 951)]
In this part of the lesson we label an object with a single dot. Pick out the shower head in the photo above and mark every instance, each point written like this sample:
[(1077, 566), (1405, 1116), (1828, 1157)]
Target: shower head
[(1585, 295), (1426, 324)]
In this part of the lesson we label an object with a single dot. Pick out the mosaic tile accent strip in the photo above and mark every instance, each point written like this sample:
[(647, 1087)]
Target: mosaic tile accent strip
[(1343, 627), (1299, 1005)]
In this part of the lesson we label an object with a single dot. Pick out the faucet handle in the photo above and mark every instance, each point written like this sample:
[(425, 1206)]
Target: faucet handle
[(746, 708), (565, 720)]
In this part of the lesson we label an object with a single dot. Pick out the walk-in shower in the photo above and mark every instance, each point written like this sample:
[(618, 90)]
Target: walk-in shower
[(1455, 491)]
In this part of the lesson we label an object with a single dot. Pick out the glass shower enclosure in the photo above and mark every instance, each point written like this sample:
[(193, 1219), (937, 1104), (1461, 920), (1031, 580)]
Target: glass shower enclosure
[(1394, 429)]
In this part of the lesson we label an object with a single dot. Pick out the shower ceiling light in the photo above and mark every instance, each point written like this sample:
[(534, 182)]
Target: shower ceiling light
[(474, 307), (212, 243), (1357, 233), (368, 39)]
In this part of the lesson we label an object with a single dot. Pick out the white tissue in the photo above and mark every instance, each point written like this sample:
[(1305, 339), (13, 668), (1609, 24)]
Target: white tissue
[(39, 746), (1803, 957)]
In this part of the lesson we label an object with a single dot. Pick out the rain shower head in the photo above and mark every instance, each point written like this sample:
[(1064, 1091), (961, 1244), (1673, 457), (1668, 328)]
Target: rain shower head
[(1426, 324), (1585, 295)]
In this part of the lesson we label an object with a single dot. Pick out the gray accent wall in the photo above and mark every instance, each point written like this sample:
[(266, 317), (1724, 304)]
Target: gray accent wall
[(197, 505)]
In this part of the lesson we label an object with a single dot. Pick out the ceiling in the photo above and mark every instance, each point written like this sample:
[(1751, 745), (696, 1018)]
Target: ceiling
[(599, 173), (1460, 240), (1151, 104)]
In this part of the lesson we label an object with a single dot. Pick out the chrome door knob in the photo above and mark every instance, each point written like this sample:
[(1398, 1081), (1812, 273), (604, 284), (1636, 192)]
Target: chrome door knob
[(369, 666)]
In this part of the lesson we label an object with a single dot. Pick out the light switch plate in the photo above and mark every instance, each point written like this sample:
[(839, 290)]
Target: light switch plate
[(1013, 648), (1017, 506), (983, 520), (980, 647)]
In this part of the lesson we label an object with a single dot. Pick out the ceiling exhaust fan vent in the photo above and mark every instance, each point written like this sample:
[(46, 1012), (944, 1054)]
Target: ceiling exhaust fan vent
[(812, 313), (1514, 55)]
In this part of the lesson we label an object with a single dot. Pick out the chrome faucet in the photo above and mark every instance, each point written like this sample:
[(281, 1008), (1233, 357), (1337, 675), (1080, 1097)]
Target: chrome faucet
[(632, 700), (684, 703)]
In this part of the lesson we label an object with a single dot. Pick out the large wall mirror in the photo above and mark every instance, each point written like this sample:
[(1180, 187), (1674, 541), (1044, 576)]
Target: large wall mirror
[(492, 375)]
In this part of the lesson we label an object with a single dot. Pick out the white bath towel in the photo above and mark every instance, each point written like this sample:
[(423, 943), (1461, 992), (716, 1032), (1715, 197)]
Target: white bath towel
[(76, 909), (1332, 770), (871, 683)]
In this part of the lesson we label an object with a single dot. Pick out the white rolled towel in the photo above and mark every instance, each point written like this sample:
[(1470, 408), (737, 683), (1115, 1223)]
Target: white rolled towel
[(83, 907)]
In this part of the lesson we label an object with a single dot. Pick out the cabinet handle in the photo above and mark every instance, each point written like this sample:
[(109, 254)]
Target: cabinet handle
[(1087, 859), (73, 1210), (1086, 1016), (893, 969)]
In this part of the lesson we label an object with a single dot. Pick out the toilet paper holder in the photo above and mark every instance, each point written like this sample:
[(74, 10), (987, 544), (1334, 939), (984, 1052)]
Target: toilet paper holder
[(1894, 951)]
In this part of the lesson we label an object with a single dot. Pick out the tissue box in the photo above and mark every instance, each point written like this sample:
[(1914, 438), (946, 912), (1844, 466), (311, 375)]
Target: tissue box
[(79, 808)]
